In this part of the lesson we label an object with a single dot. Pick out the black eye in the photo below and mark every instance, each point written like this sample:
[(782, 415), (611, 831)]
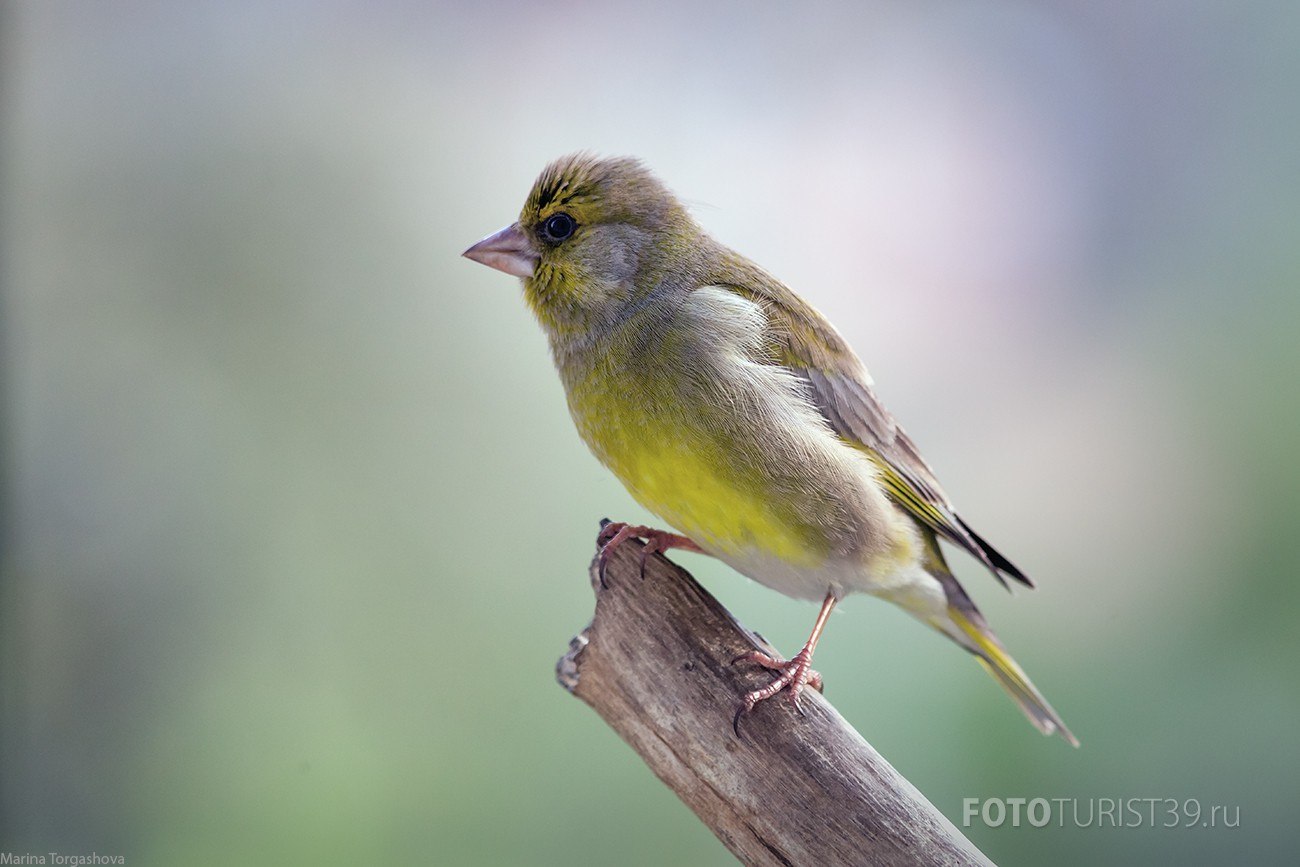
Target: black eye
[(559, 227)]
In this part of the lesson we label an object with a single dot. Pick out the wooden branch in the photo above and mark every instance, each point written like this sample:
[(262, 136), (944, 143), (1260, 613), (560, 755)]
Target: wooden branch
[(655, 663)]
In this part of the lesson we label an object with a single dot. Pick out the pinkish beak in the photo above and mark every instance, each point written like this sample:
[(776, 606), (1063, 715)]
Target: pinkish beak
[(509, 250)]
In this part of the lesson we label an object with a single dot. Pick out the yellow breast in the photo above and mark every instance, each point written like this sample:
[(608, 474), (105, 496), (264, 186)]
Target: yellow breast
[(685, 464)]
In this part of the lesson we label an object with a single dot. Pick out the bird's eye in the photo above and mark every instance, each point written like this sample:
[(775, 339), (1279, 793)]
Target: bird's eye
[(559, 227)]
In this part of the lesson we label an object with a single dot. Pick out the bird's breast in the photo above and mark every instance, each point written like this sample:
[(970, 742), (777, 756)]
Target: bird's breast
[(727, 452)]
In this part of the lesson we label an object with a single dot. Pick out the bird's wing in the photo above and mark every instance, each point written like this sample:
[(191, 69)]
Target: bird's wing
[(802, 340)]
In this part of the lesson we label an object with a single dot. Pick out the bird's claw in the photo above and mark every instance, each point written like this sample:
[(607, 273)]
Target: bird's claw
[(614, 533), (794, 675)]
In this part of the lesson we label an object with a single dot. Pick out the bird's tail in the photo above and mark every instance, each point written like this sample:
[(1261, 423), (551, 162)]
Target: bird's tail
[(966, 626)]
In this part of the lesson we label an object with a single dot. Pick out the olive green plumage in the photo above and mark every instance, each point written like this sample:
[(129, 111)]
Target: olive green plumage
[(731, 408)]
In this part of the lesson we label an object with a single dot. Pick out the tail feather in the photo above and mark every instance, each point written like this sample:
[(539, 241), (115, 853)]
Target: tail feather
[(1000, 563), (968, 629), (949, 610)]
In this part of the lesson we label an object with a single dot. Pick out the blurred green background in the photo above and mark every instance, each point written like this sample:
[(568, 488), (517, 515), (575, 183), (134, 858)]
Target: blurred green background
[(296, 524)]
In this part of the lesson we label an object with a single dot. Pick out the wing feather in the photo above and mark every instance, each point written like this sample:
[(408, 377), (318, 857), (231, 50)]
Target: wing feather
[(839, 386)]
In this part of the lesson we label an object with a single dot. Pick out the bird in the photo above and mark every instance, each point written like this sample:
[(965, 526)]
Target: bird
[(732, 409)]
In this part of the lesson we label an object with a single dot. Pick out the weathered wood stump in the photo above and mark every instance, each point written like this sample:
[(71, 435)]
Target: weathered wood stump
[(655, 663)]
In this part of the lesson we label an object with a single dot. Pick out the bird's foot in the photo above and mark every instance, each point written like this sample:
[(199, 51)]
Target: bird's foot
[(614, 533), (794, 675)]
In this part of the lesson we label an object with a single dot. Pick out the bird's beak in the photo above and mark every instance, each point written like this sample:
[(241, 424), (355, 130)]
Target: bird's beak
[(508, 250)]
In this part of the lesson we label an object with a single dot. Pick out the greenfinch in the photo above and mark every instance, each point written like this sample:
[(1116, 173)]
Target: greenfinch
[(733, 410)]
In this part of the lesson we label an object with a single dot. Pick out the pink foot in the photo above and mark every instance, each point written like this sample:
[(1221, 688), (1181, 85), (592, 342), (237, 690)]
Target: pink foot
[(614, 533), (795, 675)]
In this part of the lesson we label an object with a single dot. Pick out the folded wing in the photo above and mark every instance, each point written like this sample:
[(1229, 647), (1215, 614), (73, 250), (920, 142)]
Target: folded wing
[(839, 386)]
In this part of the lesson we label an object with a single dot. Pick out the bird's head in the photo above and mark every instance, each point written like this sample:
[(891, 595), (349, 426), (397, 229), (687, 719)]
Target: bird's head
[(594, 236)]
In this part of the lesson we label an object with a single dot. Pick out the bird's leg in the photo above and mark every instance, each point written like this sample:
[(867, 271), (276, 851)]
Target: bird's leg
[(614, 533), (795, 673)]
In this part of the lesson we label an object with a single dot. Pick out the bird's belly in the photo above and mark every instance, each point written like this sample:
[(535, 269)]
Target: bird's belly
[(800, 581), (791, 542), (800, 526), (726, 512), (784, 542)]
